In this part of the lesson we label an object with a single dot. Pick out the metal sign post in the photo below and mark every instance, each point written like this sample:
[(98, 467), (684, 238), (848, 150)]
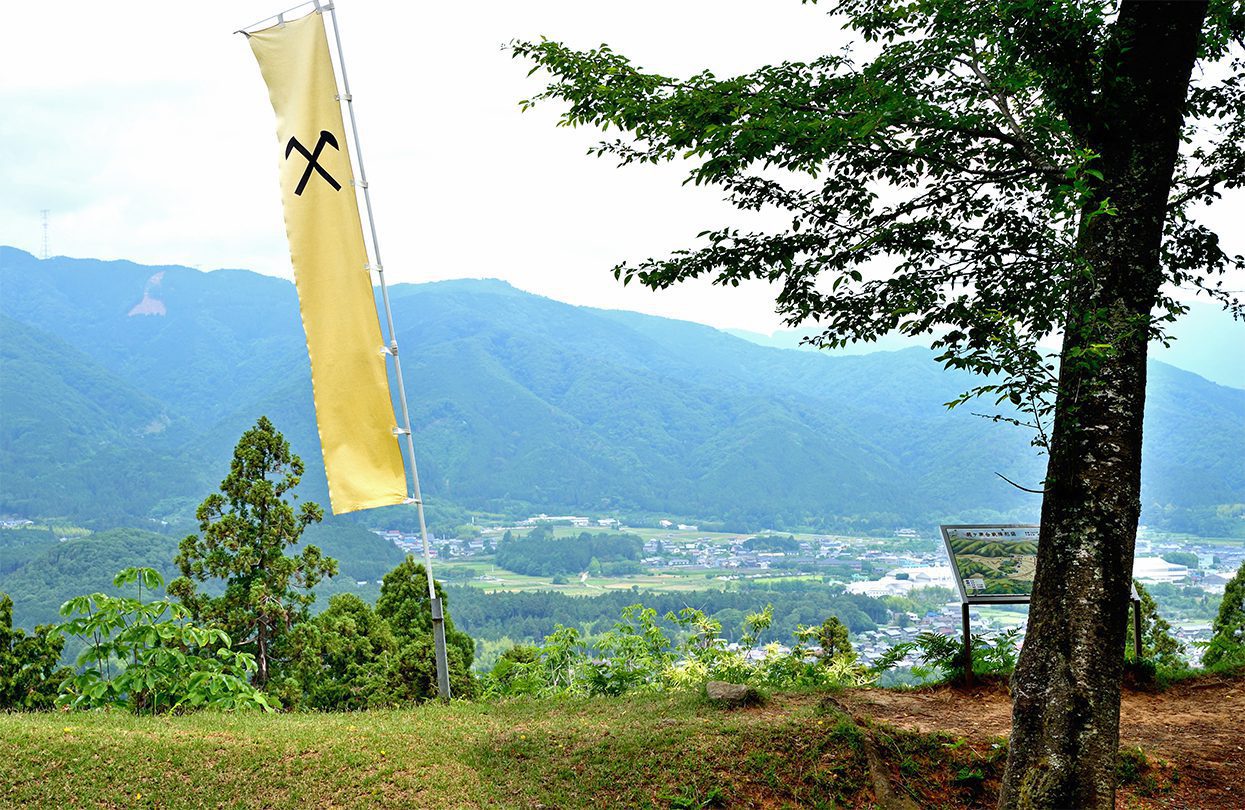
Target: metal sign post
[(968, 643)]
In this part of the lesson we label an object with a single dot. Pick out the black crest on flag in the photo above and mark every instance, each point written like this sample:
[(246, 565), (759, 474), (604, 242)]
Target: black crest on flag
[(313, 159)]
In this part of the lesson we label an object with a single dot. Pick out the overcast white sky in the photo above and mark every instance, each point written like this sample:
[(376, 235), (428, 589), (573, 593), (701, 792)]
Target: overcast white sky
[(145, 129)]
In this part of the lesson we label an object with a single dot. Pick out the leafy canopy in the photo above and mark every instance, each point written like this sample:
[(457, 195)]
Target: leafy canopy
[(938, 187), (405, 605), (341, 659)]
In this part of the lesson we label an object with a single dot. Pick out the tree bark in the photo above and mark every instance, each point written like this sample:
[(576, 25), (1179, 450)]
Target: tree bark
[(1066, 689), (261, 653)]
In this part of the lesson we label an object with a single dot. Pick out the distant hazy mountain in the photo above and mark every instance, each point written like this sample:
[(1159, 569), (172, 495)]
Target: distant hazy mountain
[(124, 388), (1207, 341)]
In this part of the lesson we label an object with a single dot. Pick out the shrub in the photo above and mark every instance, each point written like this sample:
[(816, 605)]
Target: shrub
[(1158, 643), (29, 665), (1227, 645), (943, 656), (352, 656), (637, 655), (341, 659), (405, 605), (149, 656)]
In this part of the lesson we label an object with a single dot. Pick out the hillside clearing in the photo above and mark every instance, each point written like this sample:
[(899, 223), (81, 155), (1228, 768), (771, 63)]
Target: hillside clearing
[(1198, 726), (641, 751)]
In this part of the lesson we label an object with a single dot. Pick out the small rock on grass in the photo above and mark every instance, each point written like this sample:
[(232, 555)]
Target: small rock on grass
[(731, 694)]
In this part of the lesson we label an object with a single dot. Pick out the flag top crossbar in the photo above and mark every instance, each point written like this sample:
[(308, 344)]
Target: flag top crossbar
[(280, 17)]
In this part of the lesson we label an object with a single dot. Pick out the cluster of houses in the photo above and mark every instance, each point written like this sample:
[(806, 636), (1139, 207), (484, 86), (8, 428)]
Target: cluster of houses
[(678, 550), (872, 644), (1216, 563), (437, 546), (905, 571), (568, 520), (671, 551)]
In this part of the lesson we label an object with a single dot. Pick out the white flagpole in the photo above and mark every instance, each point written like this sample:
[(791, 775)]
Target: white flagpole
[(438, 616)]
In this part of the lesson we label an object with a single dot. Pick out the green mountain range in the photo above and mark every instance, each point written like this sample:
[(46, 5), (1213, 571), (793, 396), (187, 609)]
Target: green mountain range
[(123, 389)]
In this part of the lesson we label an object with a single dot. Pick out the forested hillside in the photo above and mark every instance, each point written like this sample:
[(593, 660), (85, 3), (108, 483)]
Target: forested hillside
[(123, 388), (40, 570)]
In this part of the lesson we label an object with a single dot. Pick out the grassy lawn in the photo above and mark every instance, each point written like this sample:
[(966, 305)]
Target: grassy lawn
[(640, 751), (777, 578)]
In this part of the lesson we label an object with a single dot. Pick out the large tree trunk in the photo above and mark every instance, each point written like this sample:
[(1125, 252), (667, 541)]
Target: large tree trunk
[(1066, 690)]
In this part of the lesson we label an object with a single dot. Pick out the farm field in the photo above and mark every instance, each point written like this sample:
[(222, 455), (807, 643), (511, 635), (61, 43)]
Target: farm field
[(489, 578)]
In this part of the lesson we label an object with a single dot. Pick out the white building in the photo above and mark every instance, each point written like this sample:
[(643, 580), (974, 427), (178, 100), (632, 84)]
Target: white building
[(901, 580), (1157, 569)]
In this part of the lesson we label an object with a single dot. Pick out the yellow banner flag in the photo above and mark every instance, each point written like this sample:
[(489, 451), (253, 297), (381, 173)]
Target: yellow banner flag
[(354, 411)]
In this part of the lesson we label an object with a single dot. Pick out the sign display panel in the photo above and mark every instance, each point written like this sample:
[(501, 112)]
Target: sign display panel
[(993, 563)]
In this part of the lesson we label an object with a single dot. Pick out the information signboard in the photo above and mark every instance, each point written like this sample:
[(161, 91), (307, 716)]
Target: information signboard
[(993, 563)]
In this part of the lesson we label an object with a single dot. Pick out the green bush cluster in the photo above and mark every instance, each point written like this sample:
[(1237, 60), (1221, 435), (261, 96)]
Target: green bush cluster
[(638, 655), (942, 657), (1227, 646), (253, 646), (29, 665), (354, 656), (152, 656)]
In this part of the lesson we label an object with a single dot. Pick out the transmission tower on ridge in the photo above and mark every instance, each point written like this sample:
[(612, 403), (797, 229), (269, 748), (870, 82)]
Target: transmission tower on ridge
[(45, 233)]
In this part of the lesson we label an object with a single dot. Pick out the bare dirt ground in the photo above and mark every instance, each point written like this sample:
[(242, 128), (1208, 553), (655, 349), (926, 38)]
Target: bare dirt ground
[(1198, 726)]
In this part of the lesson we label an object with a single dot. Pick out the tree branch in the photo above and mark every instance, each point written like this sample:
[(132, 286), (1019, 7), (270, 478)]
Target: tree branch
[(1018, 486)]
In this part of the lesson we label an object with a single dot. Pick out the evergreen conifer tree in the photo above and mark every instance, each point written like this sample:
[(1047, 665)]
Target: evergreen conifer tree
[(245, 530)]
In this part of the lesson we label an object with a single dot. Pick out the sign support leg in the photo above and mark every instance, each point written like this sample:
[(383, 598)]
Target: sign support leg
[(968, 644)]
